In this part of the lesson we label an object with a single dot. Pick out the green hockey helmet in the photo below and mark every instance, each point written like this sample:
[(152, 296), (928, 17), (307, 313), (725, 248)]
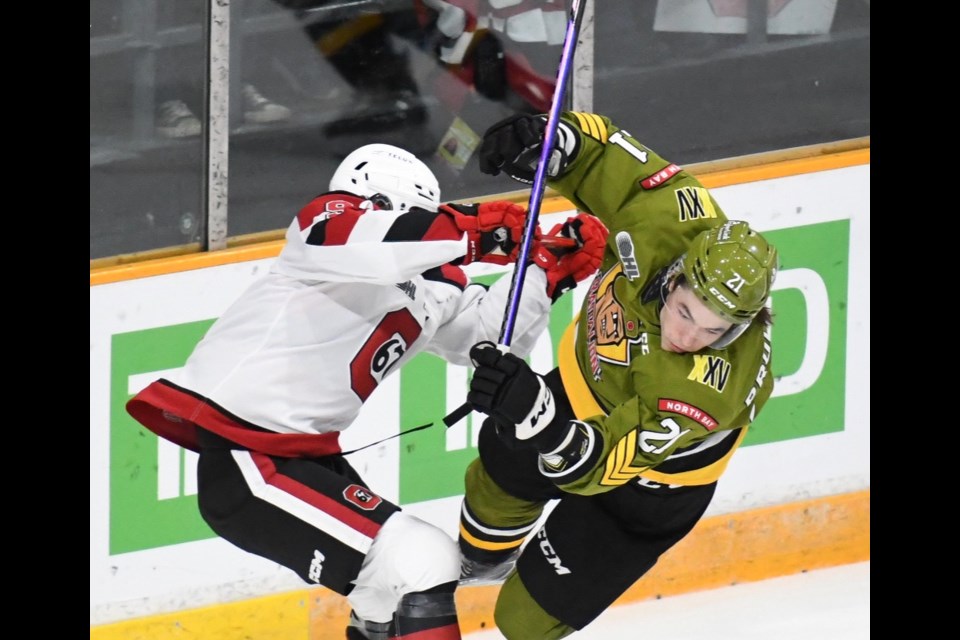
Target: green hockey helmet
[(731, 268)]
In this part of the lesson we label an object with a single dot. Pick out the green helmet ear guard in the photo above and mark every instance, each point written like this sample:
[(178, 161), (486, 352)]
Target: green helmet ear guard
[(731, 268)]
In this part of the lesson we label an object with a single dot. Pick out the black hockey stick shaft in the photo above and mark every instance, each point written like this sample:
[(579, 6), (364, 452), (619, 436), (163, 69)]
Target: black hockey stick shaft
[(536, 191)]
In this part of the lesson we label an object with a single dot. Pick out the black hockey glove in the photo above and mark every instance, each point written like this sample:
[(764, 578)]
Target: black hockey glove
[(513, 146), (505, 388)]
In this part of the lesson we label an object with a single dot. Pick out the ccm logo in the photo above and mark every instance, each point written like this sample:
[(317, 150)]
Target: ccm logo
[(550, 554)]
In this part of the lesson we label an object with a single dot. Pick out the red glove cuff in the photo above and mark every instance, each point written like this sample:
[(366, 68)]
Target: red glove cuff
[(494, 230)]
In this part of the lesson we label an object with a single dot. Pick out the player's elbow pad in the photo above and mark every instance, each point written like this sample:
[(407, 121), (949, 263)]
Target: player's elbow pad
[(575, 456)]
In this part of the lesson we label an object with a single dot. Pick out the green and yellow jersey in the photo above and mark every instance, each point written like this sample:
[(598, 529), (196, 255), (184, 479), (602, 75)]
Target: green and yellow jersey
[(664, 417)]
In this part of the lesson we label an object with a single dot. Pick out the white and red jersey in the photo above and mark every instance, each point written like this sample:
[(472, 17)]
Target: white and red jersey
[(354, 294)]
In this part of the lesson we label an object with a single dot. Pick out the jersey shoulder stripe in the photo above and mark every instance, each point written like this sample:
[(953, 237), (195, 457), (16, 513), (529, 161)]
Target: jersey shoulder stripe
[(447, 274), (592, 125)]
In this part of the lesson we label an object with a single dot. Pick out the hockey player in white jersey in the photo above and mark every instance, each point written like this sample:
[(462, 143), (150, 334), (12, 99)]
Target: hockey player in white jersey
[(371, 274)]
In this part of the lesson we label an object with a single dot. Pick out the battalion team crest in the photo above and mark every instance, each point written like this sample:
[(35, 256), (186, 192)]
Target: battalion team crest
[(610, 333)]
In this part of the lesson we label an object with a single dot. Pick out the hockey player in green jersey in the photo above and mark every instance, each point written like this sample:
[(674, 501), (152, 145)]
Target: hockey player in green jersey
[(658, 380)]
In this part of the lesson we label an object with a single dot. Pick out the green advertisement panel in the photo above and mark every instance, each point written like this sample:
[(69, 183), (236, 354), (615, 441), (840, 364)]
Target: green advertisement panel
[(799, 323), (139, 517), (810, 316)]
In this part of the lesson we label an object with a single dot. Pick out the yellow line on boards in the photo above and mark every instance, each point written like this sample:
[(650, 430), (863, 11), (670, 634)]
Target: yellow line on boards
[(744, 546)]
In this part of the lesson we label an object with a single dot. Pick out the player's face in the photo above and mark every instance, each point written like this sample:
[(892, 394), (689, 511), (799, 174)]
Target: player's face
[(686, 324)]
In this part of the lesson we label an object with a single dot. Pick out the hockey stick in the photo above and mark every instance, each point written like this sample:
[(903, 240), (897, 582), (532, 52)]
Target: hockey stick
[(539, 178), (536, 191)]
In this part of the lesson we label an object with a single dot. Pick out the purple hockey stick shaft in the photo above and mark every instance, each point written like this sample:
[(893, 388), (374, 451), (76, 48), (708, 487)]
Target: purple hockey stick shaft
[(536, 193), (539, 178)]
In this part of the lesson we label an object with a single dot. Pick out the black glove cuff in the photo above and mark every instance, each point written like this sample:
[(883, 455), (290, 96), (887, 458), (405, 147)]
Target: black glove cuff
[(550, 438), (563, 285), (554, 433), (497, 239)]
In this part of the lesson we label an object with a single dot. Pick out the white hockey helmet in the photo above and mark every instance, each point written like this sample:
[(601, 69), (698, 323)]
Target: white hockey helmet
[(391, 177)]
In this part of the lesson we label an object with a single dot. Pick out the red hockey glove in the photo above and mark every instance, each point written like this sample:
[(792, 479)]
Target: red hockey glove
[(566, 269), (494, 230)]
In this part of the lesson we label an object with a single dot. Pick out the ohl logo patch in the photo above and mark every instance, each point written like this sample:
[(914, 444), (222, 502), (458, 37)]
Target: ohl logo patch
[(712, 371), (362, 497)]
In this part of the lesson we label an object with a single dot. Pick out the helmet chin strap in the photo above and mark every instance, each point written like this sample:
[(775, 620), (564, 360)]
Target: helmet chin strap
[(731, 334)]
